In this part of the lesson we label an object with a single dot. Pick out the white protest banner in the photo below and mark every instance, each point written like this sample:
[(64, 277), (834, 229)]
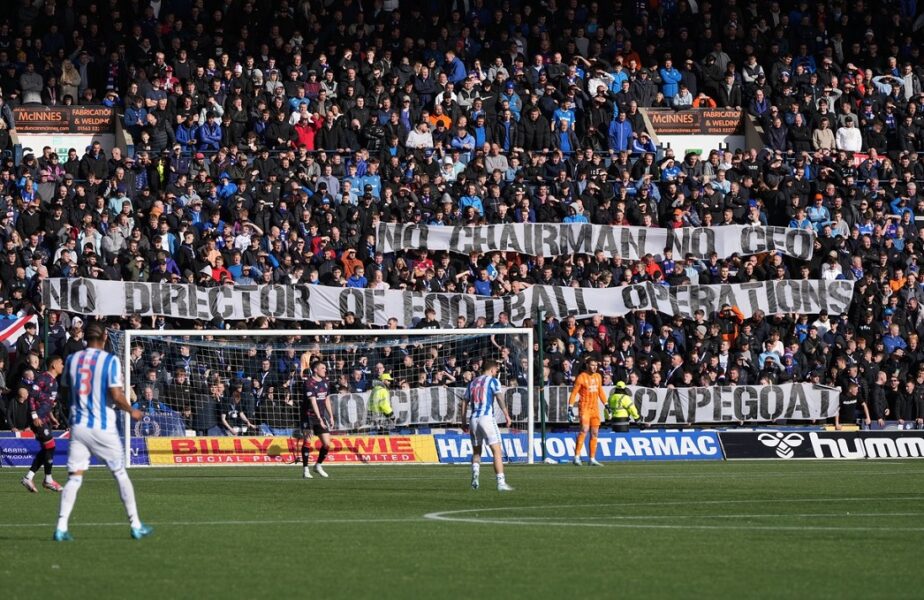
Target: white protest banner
[(321, 303), (717, 404), (631, 243), (673, 406)]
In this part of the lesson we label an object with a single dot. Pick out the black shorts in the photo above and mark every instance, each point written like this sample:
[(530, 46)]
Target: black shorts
[(42, 434), (314, 425)]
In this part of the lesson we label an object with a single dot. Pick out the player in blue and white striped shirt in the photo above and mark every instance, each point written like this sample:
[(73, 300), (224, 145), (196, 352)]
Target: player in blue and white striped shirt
[(482, 393), (94, 378)]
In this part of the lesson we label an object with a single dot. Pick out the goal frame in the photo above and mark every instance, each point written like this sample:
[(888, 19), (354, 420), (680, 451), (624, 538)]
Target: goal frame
[(131, 335)]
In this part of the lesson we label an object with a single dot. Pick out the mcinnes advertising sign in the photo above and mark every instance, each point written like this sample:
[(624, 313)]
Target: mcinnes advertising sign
[(702, 121), (64, 119)]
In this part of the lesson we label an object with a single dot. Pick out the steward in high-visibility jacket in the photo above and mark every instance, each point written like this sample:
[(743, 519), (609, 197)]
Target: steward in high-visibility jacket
[(621, 407), (380, 399)]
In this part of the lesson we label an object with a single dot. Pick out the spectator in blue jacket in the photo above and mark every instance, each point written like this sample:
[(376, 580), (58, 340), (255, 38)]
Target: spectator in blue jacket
[(454, 68), (620, 133), (187, 134), (643, 144), (893, 340), (513, 100), (358, 278), (226, 188), (575, 216), (210, 134), (471, 198), (136, 116), (618, 75), (464, 142), (670, 79), (565, 113)]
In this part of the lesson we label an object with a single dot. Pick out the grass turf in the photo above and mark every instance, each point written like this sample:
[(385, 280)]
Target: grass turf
[(744, 529)]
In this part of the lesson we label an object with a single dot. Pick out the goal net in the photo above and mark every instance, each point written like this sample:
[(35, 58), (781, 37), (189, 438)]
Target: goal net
[(245, 383)]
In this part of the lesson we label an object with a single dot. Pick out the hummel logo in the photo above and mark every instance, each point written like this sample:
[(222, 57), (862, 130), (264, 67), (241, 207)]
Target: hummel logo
[(783, 443)]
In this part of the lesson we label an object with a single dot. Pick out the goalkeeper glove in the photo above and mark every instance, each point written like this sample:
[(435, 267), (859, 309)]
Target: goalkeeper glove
[(572, 414)]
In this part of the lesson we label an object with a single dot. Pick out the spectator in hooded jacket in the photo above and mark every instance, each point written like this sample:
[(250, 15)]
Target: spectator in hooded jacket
[(210, 134)]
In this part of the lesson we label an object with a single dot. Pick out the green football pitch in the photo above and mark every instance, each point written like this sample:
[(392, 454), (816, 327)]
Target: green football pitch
[(745, 529)]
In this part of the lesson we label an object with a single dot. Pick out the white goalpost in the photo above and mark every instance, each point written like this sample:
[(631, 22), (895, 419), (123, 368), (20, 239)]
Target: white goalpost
[(248, 383)]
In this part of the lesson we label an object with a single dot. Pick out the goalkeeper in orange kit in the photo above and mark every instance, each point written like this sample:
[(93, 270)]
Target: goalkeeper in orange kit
[(588, 393)]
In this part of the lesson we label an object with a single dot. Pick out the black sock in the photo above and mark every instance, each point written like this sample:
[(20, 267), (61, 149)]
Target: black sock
[(49, 460), (322, 453), (38, 461), (306, 452)]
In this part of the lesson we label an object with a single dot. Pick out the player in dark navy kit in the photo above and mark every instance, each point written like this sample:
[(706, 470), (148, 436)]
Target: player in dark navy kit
[(43, 395), (316, 418)]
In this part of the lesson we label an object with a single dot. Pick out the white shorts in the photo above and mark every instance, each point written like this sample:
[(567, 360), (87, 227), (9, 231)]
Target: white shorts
[(104, 445), (484, 429)]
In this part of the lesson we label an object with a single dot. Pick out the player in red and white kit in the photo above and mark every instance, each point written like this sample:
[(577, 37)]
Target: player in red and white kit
[(43, 395), (316, 418)]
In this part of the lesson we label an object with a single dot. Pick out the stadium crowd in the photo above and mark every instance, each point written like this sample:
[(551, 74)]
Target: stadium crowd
[(270, 138)]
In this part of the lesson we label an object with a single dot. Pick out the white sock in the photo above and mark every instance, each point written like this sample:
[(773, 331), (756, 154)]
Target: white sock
[(48, 478), (501, 479), (68, 497), (127, 492), (30, 475), (476, 469)]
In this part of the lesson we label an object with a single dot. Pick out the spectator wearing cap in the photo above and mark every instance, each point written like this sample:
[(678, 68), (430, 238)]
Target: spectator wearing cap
[(509, 98)]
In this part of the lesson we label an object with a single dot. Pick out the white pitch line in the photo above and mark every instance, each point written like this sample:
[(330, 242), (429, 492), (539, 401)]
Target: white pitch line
[(696, 501), (697, 527), (457, 516), (222, 523), (738, 516), (138, 477)]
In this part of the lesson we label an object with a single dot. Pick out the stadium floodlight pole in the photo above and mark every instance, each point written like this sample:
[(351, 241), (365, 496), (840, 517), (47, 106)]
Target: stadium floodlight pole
[(540, 337), (527, 332)]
